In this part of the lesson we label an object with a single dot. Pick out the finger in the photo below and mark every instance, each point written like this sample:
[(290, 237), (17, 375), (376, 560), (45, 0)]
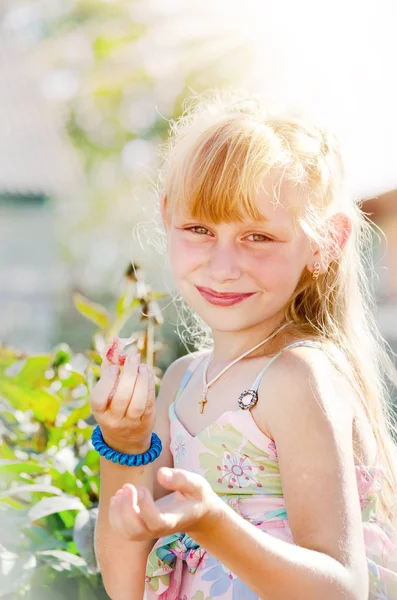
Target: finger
[(125, 387), (134, 525), (111, 352), (118, 349), (151, 393), (155, 521), (101, 391), (105, 361), (180, 480), (114, 515), (137, 405)]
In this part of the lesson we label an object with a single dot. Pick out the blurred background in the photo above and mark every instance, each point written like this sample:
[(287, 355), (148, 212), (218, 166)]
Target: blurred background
[(87, 88), (86, 91)]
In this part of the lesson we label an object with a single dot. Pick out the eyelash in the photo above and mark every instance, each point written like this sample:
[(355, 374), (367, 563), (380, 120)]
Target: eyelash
[(267, 239)]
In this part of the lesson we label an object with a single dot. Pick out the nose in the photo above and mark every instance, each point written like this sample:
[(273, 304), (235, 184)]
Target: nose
[(224, 263)]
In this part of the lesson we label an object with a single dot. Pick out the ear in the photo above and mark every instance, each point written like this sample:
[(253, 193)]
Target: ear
[(339, 231)]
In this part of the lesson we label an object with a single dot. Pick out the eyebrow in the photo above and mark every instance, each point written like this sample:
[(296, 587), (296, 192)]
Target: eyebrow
[(245, 223), (262, 219)]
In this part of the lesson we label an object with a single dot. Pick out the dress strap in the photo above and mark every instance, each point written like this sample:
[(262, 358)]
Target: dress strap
[(188, 373), (309, 343), (197, 359)]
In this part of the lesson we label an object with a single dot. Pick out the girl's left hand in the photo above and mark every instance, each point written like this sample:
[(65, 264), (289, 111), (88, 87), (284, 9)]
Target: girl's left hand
[(192, 505)]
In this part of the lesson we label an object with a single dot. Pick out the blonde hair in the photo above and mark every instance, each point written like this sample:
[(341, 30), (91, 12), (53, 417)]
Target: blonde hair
[(218, 153)]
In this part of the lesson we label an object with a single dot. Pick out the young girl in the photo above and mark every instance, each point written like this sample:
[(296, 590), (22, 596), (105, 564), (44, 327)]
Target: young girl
[(277, 474)]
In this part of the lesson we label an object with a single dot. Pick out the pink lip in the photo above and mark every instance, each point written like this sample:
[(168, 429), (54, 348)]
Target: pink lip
[(220, 299)]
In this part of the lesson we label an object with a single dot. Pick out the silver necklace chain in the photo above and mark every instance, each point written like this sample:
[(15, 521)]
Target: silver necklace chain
[(207, 385)]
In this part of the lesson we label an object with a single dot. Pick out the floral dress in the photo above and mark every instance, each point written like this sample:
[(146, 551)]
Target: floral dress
[(241, 464)]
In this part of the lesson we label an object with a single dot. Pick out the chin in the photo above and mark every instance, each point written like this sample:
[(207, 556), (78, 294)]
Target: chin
[(225, 320)]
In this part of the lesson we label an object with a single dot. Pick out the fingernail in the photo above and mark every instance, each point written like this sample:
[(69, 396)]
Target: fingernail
[(126, 490), (167, 474)]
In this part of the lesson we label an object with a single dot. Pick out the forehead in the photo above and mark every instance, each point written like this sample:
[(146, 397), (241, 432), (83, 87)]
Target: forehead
[(277, 202), (275, 205)]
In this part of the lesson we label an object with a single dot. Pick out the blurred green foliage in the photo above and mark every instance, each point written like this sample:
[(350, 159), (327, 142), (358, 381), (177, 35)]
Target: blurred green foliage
[(49, 472)]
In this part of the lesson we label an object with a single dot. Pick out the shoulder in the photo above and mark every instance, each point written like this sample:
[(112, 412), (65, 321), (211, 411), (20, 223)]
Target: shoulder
[(304, 381), (175, 371)]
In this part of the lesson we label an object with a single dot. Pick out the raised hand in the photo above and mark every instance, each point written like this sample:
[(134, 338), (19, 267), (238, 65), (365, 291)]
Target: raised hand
[(123, 400), (135, 516)]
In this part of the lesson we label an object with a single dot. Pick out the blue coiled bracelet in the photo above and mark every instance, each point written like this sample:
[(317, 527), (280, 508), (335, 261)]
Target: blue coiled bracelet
[(130, 460)]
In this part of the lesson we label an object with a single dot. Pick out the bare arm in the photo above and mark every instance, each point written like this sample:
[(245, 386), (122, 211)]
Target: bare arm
[(123, 563), (311, 423)]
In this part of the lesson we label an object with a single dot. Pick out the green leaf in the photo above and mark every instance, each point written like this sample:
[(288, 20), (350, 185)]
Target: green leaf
[(74, 380), (34, 487), (32, 373), (124, 305), (6, 452), (16, 467), (15, 395), (66, 559), (120, 306), (67, 519), (91, 310), (83, 535), (43, 404), (78, 413), (13, 523), (10, 417), (49, 506), (63, 355), (66, 482), (42, 539), (95, 356), (92, 459)]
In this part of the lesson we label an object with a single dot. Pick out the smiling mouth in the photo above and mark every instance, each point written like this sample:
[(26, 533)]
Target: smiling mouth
[(225, 299), (225, 295)]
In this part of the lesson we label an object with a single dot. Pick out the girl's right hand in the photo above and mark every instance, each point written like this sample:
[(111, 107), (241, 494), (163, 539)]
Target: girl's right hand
[(123, 404)]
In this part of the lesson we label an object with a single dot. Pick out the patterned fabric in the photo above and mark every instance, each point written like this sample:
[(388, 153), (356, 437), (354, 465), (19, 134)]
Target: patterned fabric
[(241, 464)]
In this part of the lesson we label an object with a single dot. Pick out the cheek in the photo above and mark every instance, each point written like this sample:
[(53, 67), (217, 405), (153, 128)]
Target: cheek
[(276, 268), (184, 257)]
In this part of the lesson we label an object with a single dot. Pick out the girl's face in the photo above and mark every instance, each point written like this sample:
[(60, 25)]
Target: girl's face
[(264, 259)]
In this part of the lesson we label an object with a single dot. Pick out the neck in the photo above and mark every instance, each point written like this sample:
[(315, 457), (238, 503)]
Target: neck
[(228, 345)]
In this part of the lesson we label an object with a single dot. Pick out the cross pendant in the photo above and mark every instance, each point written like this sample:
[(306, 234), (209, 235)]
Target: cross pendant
[(202, 402)]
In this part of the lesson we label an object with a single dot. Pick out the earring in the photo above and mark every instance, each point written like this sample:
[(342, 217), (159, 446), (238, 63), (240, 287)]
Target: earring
[(316, 270)]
